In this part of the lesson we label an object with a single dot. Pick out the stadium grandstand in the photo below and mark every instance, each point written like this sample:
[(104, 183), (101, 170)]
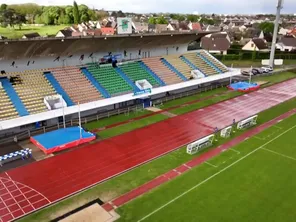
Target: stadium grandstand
[(96, 73)]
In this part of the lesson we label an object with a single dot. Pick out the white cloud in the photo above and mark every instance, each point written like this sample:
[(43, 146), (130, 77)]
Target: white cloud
[(184, 6)]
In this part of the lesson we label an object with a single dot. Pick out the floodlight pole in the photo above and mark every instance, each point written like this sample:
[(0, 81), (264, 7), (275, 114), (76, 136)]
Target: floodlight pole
[(79, 119), (275, 32)]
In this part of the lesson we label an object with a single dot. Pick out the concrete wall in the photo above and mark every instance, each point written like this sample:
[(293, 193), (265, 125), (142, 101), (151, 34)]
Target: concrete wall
[(48, 62)]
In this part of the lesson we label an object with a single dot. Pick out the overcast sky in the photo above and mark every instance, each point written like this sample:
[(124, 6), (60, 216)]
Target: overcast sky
[(179, 6)]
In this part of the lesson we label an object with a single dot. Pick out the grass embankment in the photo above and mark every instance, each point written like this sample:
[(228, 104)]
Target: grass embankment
[(115, 119), (250, 182), (42, 30), (131, 126), (140, 175)]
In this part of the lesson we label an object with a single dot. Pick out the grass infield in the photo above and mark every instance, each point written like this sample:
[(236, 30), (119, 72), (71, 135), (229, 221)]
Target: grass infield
[(252, 181)]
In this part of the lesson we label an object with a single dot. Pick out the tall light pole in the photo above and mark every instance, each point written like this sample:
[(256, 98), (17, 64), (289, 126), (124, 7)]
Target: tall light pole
[(275, 31)]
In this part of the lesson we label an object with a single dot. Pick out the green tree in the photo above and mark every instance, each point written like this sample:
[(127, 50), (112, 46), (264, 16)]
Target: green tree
[(51, 15), (93, 16), (39, 19), (7, 17), (69, 17), (76, 13), (161, 20), (83, 13), (152, 20), (61, 18), (254, 54), (193, 18), (29, 10), (181, 18), (266, 27), (19, 20), (3, 7)]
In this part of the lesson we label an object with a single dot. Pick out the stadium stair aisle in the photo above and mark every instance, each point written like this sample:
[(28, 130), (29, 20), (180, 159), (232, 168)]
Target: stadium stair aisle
[(76, 85), (135, 72), (167, 75), (49, 76), (179, 65), (214, 61), (126, 78), (95, 82), (148, 69), (108, 78), (191, 65), (209, 62), (32, 89), (172, 68), (201, 64), (10, 103)]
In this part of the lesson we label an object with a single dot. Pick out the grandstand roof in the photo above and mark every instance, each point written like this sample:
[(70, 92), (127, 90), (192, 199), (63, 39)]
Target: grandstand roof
[(23, 48)]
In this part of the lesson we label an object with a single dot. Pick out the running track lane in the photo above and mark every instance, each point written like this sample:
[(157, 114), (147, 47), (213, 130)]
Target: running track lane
[(58, 177)]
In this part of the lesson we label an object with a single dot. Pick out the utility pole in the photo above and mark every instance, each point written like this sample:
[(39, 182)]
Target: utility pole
[(275, 32)]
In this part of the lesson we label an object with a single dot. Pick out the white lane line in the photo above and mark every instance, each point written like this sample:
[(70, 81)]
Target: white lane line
[(280, 154), (211, 164)]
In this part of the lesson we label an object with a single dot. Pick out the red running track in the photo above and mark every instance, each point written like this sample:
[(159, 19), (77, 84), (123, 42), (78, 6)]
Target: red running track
[(58, 177)]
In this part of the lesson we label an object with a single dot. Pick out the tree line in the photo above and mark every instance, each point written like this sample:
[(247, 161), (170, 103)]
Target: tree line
[(11, 15)]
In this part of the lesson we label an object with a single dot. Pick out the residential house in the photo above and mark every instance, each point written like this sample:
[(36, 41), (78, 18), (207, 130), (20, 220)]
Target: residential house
[(139, 27), (292, 32), (283, 31), (157, 28), (64, 33), (194, 26), (213, 28), (217, 43), (286, 44), (31, 35), (183, 26), (242, 28), (107, 31), (256, 44), (172, 27)]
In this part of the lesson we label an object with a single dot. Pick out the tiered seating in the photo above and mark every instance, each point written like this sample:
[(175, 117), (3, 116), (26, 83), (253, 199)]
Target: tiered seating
[(32, 89), (76, 85), (135, 72), (168, 76), (214, 61), (7, 110), (180, 65), (107, 76), (201, 64)]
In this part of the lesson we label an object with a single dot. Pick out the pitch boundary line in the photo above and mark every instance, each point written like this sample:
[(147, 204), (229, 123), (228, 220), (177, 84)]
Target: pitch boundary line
[(215, 174), (279, 154), (234, 151), (210, 164)]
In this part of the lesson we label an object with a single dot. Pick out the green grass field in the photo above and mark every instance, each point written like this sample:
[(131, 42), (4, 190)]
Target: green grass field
[(42, 30), (252, 181), (131, 126), (115, 119)]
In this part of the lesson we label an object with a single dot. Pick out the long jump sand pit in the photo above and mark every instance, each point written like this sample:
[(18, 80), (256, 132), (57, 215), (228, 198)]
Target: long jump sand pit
[(93, 213)]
